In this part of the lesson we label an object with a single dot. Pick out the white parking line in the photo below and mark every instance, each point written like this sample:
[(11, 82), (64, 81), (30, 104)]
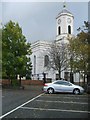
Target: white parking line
[(20, 106), (29, 108), (62, 102), (65, 97)]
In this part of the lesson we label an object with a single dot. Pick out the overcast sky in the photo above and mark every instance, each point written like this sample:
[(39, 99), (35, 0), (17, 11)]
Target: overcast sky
[(38, 19)]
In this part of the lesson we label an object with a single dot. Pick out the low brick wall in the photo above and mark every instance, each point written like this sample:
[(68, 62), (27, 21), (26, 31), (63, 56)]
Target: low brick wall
[(31, 82), (6, 82), (23, 82)]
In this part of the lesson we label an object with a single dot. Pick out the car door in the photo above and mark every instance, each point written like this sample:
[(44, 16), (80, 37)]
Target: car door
[(58, 86), (67, 87)]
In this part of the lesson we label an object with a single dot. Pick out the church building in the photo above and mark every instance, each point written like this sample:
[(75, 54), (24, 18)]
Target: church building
[(39, 57)]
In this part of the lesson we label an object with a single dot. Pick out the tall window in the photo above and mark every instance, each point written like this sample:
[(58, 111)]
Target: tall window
[(34, 64), (46, 60), (59, 30), (69, 29)]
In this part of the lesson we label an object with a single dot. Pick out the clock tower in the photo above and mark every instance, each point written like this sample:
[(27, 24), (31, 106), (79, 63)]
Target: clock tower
[(64, 24)]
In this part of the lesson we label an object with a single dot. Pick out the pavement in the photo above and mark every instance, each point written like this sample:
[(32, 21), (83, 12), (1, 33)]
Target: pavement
[(33, 103)]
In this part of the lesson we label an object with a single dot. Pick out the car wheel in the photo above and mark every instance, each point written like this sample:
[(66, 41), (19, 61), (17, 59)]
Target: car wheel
[(50, 90), (76, 91)]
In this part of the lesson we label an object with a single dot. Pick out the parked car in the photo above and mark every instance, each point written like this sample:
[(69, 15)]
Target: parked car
[(62, 86)]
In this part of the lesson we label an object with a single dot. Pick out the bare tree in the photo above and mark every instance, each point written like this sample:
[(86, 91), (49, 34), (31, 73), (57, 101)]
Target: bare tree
[(58, 57)]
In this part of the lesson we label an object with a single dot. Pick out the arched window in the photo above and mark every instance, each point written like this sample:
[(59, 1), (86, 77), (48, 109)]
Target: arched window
[(34, 64), (46, 60), (69, 29), (59, 30)]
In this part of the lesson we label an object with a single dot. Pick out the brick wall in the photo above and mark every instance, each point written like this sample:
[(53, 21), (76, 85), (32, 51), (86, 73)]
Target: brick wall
[(6, 82), (23, 82), (31, 82)]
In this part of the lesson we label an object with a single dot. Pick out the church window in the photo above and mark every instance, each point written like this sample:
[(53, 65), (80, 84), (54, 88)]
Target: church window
[(34, 64), (69, 29), (46, 60), (59, 30)]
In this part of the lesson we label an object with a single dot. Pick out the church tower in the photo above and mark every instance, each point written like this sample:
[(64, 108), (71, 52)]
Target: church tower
[(40, 57), (64, 24)]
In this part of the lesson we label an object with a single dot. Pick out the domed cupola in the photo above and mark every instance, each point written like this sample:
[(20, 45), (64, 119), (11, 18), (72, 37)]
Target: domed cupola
[(64, 23), (64, 12)]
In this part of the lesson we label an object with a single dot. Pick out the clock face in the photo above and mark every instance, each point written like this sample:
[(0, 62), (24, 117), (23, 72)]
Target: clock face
[(69, 20), (59, 21)]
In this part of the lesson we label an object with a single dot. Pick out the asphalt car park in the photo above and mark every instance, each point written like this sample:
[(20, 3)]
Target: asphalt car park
[(31, 103)]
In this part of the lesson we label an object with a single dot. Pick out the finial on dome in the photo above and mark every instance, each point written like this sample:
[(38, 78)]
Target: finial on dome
[(64, 4)]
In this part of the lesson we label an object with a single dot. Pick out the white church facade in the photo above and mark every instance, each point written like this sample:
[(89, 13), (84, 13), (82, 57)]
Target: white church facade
[(64, 27)]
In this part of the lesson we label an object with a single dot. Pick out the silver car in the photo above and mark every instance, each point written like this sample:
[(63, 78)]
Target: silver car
[(62, 86)]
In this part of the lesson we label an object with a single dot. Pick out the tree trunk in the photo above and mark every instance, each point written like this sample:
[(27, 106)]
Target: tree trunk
[(79, 78), (88, 77), (10, 80), (84, 80), (71, 77), (59, 74), (44, 78), (20, 81)]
